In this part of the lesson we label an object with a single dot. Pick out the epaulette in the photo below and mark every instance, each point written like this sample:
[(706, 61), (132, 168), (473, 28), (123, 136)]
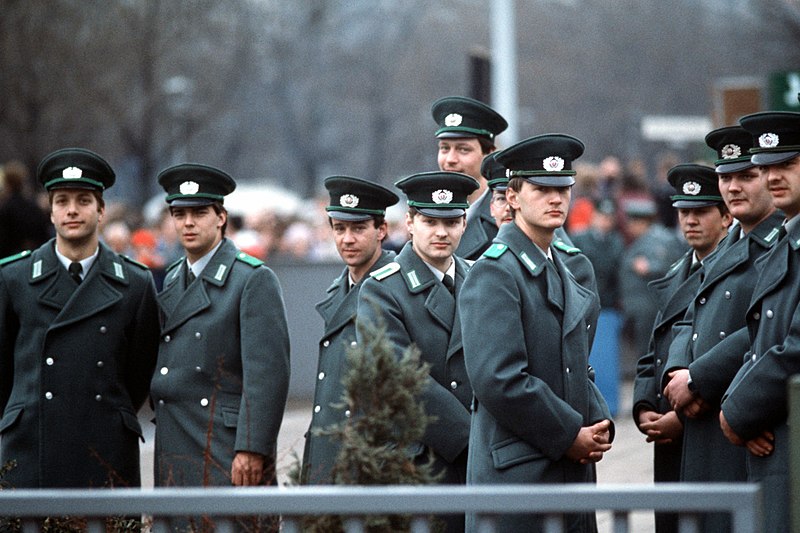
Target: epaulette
[(566, 248), (495, 251), (15, 257), (385, 271), (249, 259), (135, 262), (675, 265), (175, 263)]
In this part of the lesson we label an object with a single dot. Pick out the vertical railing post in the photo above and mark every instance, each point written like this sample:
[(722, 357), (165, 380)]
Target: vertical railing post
[(794, 452)]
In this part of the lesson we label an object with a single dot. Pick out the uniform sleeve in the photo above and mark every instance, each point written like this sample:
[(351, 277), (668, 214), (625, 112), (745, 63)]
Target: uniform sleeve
[(645, 385), (265, 363), (448, 433), (143, 351), (758, 398), (680, 355), (714, 371), (496, 357)]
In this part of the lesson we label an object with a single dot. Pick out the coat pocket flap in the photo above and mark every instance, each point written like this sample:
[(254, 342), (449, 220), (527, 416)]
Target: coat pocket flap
[(11, 416), (512, 452), (230, 417)]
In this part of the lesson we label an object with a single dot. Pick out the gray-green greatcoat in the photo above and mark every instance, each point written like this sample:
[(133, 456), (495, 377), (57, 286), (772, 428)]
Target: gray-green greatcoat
[(338, 310), (480, 231), (75, 366), (222, 376), (673, 294), (710, 342), (756, 400), (526, 347)]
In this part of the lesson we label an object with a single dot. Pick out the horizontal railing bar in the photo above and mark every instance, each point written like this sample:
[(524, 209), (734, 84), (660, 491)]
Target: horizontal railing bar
[(350, 500)]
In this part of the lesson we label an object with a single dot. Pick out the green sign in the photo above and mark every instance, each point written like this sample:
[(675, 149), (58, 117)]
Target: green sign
[(784, 91)]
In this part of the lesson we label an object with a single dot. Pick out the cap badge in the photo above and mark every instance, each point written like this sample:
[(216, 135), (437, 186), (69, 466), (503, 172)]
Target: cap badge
[(453, 119), (348, 200), (71, 173), (691, 187), (553, 163), (731, 151), (442, 196), (189, 187), (768, 140)]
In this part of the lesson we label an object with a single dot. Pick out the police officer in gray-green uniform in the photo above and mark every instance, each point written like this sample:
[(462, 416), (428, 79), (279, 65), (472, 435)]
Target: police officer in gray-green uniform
[(755, 406), (356, 215), (78, 342), (416, 298), (709, 341), (526, 321), (704, 220), (221, 381)]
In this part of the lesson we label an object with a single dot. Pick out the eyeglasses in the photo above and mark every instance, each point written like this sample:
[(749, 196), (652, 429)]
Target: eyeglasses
[(499, 199)]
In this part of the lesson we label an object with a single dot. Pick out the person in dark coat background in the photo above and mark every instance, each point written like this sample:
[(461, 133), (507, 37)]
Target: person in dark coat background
[(23, 224), (755, 406), (416, 297), (222, 377), (78, 342), (356, 214), (708, 343), (704, 220), (537, 415)]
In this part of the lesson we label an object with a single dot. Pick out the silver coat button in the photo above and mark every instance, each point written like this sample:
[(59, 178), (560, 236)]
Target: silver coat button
[(703, 300), (769, 313), (100, 364), (160, 402), (49, 361), (756, 316), (48, 395), (98, 398), (568, 370), (167, 338), (103, 329), (353, 343), (658, 362), (164, 370), (721, 334), (317, 408), (453, 385), (321, 376), (753, 358), (204, 402), (347, 413), (198, 335), (588, 326), (727, 295), (694, 337), (198, 369), (326, 343)]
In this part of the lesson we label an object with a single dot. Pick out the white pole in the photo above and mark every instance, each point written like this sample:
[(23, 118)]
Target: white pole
[(504, 67)]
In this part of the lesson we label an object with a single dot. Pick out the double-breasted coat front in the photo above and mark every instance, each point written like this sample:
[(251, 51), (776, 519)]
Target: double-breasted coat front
[(222, 376), (526, 328), (75, 366), (338, 310), (756, 400)]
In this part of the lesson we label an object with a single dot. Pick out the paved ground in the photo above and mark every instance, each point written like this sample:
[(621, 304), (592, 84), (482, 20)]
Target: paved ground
[(630, 460)]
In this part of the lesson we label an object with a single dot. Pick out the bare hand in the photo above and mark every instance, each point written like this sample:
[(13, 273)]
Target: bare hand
[(663, 429), (247, 469), (591, 443), (696, 407), (641, 266), (677, 390), (763, 445), (727, 430)]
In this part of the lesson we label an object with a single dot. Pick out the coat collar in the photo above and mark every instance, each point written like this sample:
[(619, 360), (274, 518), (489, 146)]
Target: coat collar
[(100, 289), (480, 230), (179, 305)]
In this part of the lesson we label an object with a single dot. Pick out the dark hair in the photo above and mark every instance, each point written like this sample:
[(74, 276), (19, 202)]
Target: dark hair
[(218, 209), (377, 220), (487, 146)]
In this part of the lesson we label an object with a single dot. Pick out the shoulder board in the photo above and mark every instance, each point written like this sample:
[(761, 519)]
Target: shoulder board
[(175, 263), (249, 259), (386, 271), (566, 248), (495, 251), (675, 265), (135, 262), (15, 257)]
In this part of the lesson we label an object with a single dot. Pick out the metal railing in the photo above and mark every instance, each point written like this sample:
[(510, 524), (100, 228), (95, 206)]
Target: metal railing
[(742, 501)]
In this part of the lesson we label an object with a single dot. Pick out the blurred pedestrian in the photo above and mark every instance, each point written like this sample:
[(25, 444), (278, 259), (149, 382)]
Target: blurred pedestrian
[(23, 225)]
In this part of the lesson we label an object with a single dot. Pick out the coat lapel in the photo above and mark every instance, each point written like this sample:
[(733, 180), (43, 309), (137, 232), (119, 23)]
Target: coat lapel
[(577, 299), (419, 279), (480, 230)]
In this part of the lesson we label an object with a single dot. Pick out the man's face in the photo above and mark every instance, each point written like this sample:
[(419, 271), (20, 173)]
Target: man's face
[(75, 214), (358, 243), (499, 208), (435, 239), (783, 181), (199, 228), (746, 195), (703, 227), (539, 208), (461, 155)]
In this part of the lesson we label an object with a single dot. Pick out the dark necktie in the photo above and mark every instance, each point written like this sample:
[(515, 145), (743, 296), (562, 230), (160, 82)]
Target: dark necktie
[(448, 282), (694, 268), (75, 270), (782, 232)]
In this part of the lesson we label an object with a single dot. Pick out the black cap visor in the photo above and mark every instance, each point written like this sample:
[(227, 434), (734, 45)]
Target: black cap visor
[(772, 158)]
